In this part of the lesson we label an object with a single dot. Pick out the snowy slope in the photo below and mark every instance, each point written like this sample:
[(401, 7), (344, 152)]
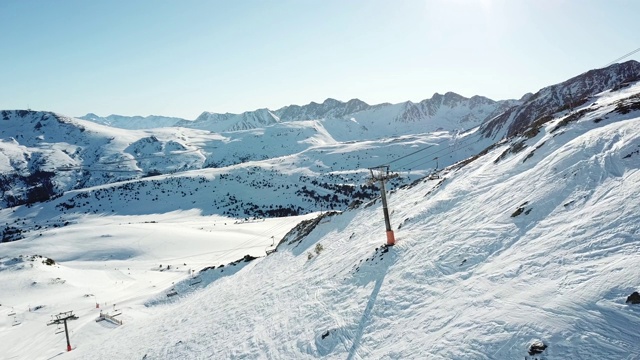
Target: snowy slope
[(535, 238), (134, 122), (492, 257), (301, 164), (116, 262), (562, 97), (327, 176), (44, 154)]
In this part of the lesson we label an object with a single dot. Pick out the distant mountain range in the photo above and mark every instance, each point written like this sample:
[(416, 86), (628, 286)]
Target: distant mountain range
[(440, 112), (445, 111), (134, 122), (321, 147)]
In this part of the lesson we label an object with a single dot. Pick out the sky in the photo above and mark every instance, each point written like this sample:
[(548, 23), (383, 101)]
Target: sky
[(180, 58)]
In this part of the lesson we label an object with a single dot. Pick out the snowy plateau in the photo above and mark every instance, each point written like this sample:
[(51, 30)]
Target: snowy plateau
[(259, 236)]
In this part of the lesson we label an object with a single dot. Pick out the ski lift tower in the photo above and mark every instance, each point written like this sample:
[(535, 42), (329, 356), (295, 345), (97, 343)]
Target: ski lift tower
[(62, 318), (381, 173)]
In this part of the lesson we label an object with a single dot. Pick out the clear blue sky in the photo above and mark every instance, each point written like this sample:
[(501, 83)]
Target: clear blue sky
[(179, 58)]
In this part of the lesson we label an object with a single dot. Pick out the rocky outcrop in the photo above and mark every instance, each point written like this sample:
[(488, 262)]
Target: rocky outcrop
[(560, 97), (634, 298), (330, 108)]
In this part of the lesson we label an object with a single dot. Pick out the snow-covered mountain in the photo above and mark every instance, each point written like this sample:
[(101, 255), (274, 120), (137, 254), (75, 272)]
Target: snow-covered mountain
[(232, 122), (440, 112), (135, 122), (566, 96), (534, 240), (330, 108), (45, 154)]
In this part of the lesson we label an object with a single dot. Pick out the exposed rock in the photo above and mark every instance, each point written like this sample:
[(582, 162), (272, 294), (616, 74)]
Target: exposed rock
[(537, 347), (633, 298), (560, 97)]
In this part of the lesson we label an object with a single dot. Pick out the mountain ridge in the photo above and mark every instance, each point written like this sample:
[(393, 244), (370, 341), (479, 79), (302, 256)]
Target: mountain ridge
[(330, 108), (64, 153), (564, 96), (135, 122)]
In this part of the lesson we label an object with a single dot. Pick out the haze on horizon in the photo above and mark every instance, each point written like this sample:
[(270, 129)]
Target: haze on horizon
[(181, 58)]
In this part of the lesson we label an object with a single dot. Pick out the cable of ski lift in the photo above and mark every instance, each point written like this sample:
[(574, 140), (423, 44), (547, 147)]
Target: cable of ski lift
[(455, 145), (450, 152), (623, 57), (425, 148)]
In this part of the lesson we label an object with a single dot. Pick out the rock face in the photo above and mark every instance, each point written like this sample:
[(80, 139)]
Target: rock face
[(633, 298), (536, 350), (330, 108), (452, 107), (556, 98)]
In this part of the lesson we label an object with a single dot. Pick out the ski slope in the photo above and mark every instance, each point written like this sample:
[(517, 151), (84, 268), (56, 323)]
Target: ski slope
[(537, 239), (118, 262)]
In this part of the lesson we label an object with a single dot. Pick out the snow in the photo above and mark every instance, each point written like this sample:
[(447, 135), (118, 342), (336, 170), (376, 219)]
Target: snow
[(113, 260), (135, 122), (537, 239), (490, 257)]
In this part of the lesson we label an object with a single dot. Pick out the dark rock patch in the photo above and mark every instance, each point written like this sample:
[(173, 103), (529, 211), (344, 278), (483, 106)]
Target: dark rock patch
[(633, 298), (536, 350)]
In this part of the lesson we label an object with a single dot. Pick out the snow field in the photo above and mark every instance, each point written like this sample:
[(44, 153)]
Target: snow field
[(465, 280), (114, 261), (537, 239)]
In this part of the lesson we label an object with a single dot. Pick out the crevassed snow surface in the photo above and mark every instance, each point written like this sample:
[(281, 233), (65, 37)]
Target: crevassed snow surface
[(541, 243)]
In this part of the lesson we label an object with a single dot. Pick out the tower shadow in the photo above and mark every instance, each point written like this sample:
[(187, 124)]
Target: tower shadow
[(377, 270)]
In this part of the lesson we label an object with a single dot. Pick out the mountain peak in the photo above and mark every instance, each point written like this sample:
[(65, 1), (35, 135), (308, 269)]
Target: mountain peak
[(331, 101), (526, 97), (356, 100), (451, 94), (330, 108)]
